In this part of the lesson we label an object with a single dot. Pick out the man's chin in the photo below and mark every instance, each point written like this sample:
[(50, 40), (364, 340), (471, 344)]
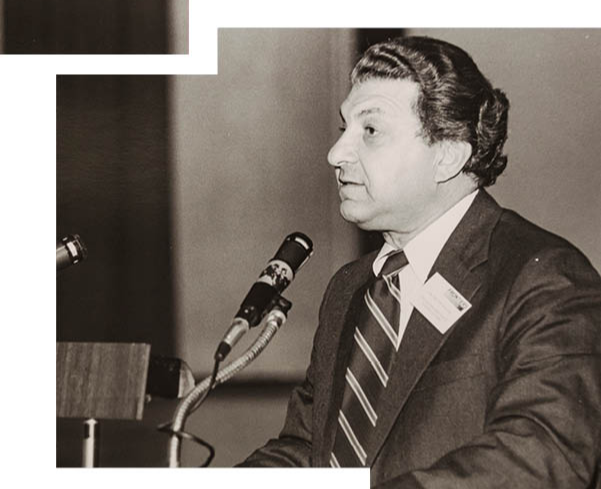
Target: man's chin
[(352, 214)]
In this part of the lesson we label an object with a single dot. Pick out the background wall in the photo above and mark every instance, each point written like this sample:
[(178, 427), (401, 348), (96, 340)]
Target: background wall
[(1, 26), (113, 188), (249, 155), (178, 31), (92, 27)]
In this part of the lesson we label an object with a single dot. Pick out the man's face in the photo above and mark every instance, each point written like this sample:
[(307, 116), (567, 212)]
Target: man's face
[(385, 170)]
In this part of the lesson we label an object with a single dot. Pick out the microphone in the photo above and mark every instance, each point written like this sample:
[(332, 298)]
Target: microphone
[(280, 271), (69, 251)]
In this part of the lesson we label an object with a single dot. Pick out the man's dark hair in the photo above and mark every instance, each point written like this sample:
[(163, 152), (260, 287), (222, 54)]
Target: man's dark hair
[(455, 102)]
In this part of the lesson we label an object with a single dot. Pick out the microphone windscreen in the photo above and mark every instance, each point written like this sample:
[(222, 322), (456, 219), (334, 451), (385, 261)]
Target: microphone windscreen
[(295, 250)]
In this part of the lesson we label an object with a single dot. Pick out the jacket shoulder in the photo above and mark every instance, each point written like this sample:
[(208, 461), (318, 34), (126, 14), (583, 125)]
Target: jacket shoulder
[(357, 269), (516, 242)]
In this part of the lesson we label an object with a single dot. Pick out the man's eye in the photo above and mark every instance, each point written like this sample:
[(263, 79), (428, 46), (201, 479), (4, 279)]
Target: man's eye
[(371, 131), (342, 128)]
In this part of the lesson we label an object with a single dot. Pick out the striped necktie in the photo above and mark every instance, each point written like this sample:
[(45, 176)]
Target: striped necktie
[(372, 355)]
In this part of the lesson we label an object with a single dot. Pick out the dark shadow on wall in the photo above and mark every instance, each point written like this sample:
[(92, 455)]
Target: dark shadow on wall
[(113, 189), (86, 27)]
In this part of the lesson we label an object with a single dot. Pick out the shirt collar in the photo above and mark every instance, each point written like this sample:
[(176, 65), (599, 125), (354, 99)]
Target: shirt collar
[(424, 248)]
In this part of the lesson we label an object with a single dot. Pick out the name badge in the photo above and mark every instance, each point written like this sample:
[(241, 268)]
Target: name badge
[(440, 303)]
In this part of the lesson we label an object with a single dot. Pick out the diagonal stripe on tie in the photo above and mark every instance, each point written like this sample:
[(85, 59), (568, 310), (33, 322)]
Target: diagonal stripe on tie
[(352, 438), (361, 397), (393, 287), (372, 356), (380, 316), (334, 461)]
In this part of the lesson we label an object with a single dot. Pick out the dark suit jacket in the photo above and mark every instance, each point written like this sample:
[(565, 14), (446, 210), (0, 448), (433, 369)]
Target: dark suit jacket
[(509, 397)]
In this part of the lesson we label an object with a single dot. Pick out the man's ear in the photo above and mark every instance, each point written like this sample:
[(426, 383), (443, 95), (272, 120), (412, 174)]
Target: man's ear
[(452, 157)]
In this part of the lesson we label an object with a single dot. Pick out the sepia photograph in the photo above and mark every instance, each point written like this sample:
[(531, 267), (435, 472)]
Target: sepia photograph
[(415, 213)]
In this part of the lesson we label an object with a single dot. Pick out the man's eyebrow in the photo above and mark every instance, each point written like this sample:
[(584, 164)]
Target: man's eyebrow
[(370, 110), (363, 112)]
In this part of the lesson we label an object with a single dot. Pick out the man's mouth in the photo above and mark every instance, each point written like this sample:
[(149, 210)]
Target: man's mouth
[(349, 189), (343, 181)]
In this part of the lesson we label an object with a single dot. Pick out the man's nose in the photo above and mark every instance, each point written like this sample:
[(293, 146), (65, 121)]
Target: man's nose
[(342, 152)]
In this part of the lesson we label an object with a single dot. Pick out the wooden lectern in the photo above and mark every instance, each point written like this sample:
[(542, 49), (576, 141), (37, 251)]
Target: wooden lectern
[(100, 381)]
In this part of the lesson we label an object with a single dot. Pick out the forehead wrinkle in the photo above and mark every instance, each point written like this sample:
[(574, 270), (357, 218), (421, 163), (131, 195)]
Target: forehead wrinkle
[(381, 96)]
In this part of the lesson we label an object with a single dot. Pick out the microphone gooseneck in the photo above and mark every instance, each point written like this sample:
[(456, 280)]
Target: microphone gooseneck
[(273, 323)]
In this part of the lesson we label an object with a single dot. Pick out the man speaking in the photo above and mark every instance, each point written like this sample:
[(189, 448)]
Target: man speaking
[(466, 352)]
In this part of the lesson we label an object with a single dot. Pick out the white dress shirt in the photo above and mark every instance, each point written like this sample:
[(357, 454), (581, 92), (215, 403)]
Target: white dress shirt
[(421, 252)]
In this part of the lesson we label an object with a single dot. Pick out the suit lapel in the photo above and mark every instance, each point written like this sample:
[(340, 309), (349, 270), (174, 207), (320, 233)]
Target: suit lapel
[(459, 263)]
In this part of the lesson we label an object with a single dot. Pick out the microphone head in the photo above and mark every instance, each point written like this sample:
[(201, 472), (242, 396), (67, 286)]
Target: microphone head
[(70, 251), (280, 271), (291, 255), (295, 250)]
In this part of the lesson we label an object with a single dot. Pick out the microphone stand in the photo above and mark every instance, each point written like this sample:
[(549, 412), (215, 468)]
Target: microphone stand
[(275, 319)]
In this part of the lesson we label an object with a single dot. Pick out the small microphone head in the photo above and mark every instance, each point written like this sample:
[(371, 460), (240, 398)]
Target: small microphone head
[(69, 251)]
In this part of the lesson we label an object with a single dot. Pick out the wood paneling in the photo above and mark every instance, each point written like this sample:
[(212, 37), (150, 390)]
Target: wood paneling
[(101, 380)]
